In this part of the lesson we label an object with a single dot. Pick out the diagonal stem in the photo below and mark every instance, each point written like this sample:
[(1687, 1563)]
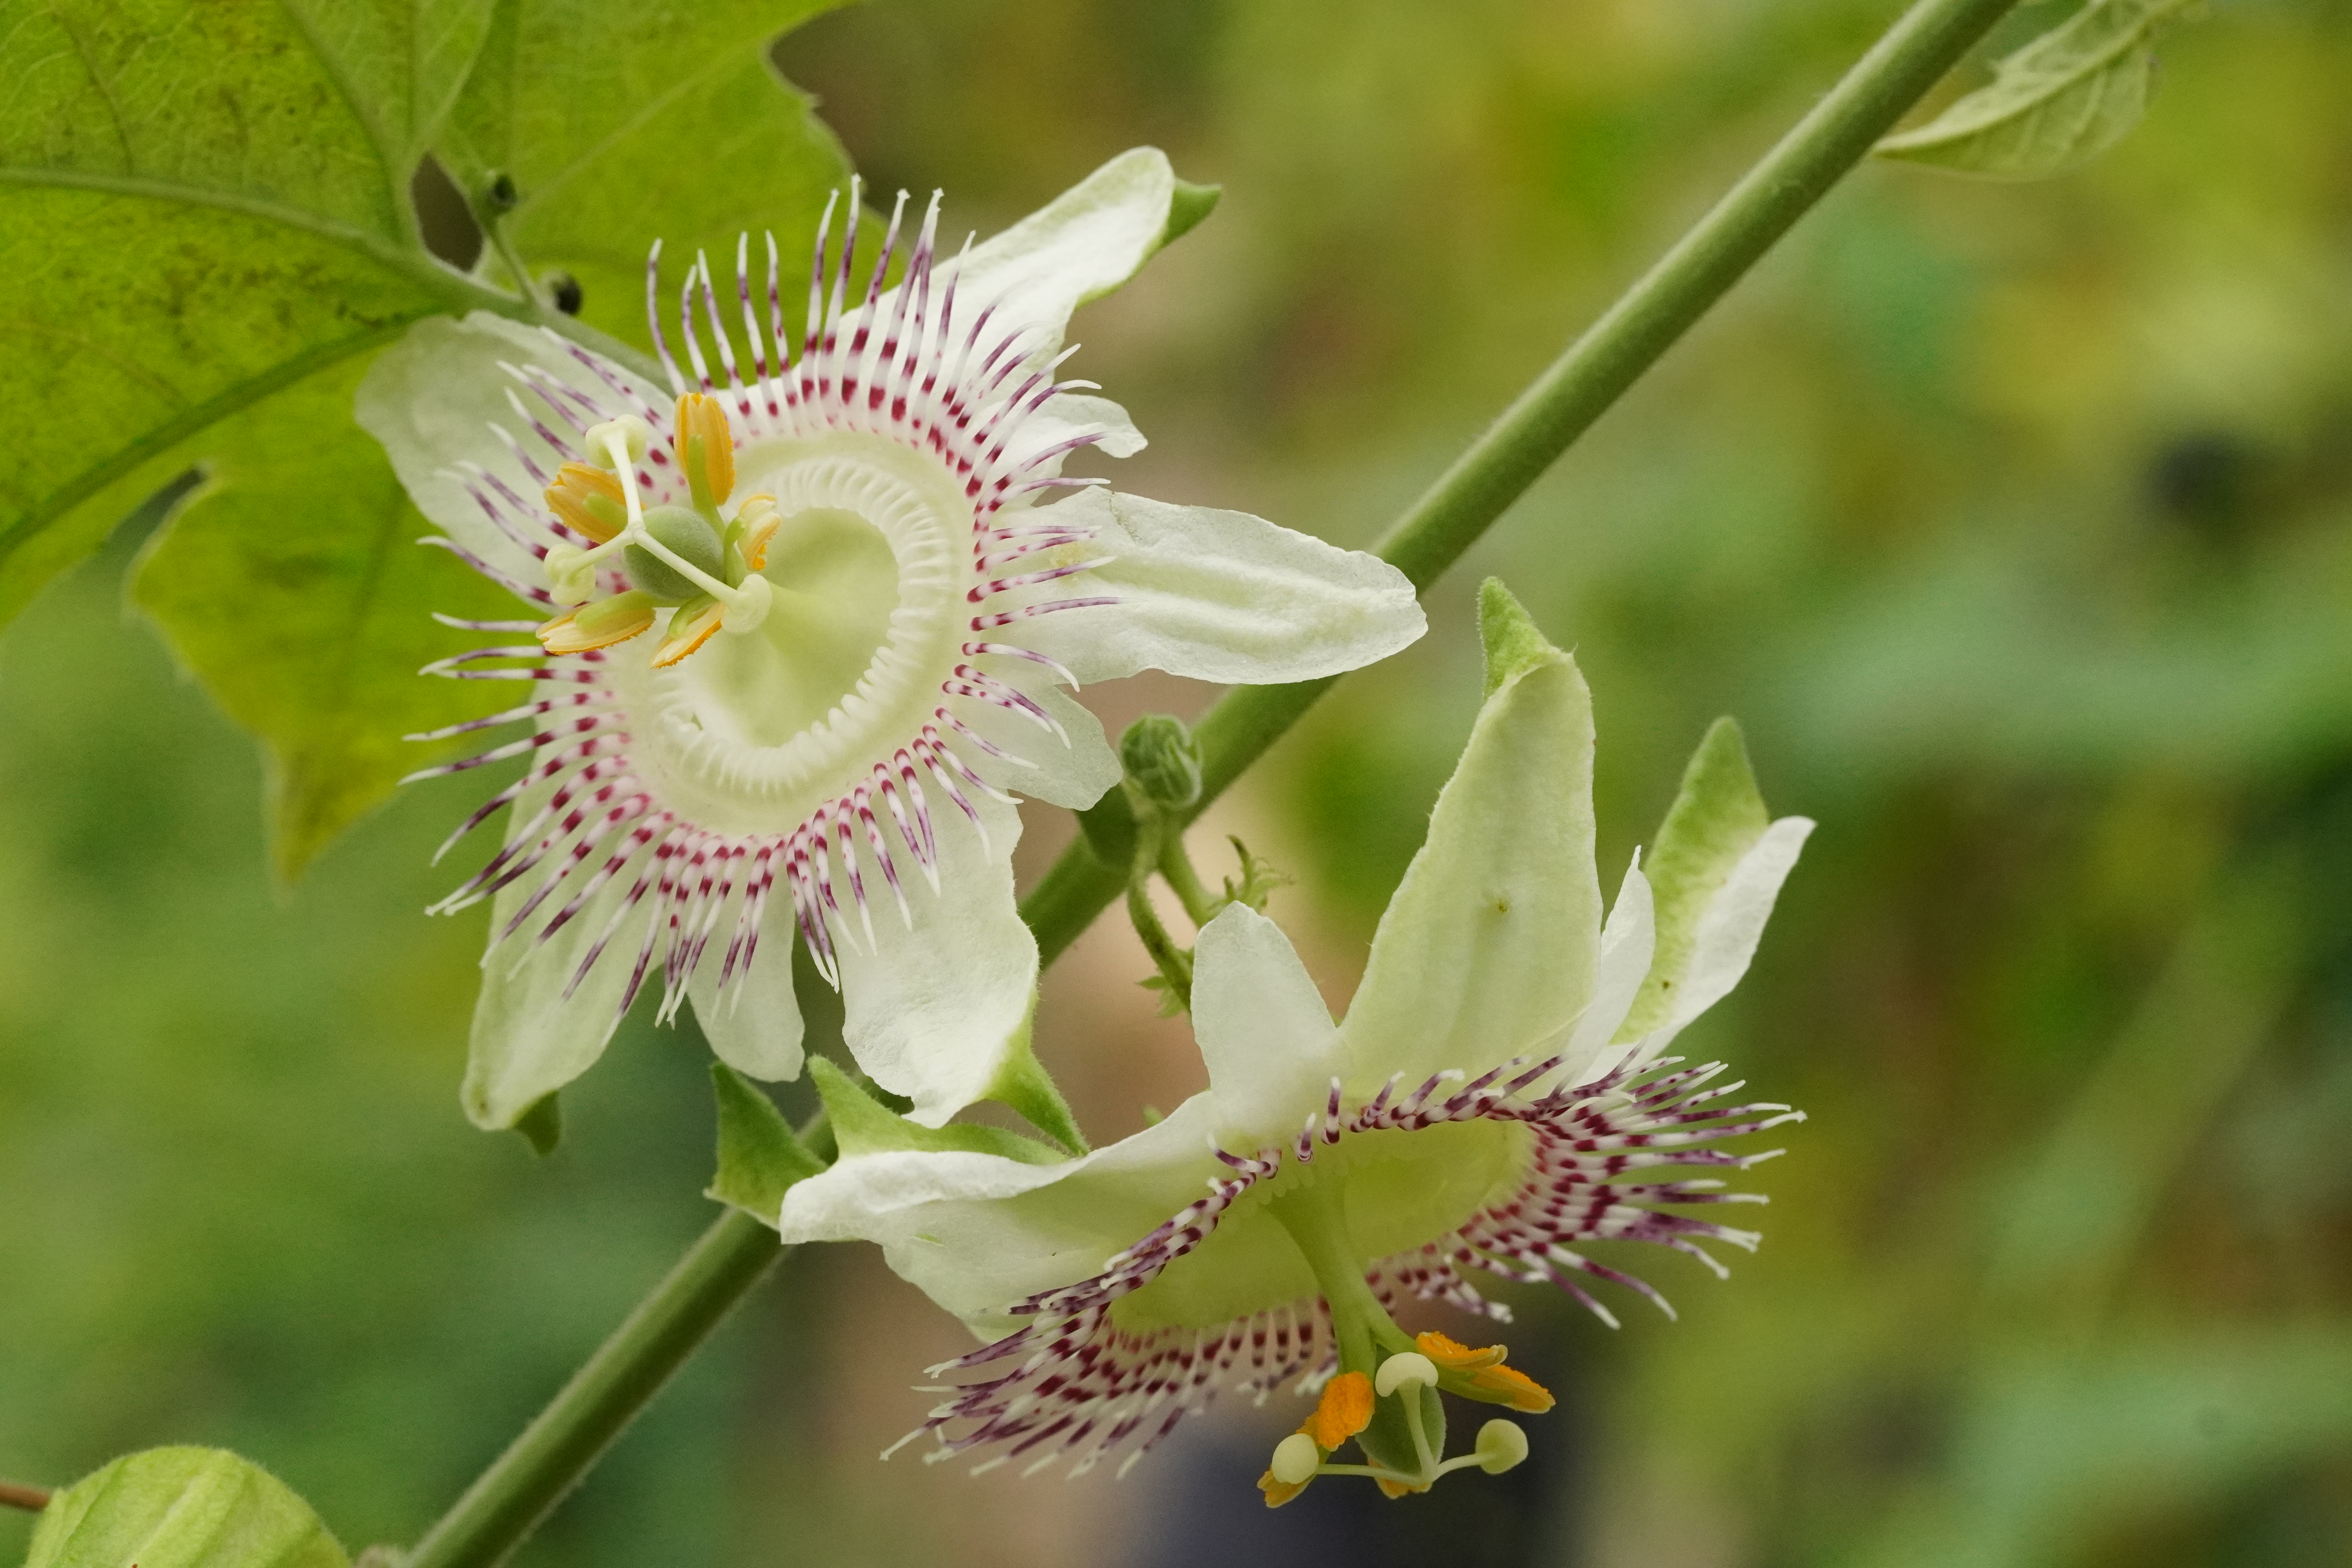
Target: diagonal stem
[(524, 1485), (1579, 387), (519, 1489)]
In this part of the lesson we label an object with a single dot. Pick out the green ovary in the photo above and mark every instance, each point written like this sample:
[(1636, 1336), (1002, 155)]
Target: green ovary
[(837, 583), (1402, 1190)]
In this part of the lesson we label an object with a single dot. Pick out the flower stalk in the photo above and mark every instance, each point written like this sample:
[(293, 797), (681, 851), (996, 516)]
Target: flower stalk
[(1577, 388), (552, 1455)]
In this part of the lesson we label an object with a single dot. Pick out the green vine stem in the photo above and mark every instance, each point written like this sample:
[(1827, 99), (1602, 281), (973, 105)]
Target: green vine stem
[(1174, 962), (1564, 400), (517, 1490), (1183, 879), (508, 1501)]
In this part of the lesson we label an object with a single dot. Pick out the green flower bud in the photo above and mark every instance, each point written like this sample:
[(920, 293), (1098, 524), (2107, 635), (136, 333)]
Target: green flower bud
[(1163, 760)]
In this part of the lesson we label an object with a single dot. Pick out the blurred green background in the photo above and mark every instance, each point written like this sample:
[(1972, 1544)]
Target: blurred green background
[(2014, 524)]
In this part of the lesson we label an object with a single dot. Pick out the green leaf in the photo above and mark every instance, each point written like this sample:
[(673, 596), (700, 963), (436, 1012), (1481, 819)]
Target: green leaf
[(864, 1125), (246, 601), (1717, 817), (202, 207), (205, 221), (182, 1507), (625, 124), (759, 1154), (2053, 105)]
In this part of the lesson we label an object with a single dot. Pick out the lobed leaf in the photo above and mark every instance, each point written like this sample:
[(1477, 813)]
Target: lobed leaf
[(207, 223), (2053, 105)]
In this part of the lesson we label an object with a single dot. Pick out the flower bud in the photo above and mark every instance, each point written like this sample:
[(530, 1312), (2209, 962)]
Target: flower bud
[(1163, 760)]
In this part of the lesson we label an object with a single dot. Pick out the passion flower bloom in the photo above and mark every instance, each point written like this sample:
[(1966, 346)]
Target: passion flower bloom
[(803, 624), (1496, 1103)]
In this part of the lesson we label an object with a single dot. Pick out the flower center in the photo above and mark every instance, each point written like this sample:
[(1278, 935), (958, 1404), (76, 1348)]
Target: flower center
[(837, 586), (753, 732), (1395, 1189)]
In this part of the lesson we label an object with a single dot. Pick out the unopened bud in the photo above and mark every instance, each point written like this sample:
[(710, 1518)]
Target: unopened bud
[(1163, 760)]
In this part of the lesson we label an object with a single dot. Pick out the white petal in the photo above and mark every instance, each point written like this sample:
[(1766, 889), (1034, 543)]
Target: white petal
[(855, 1200), (1489, 947), (755, 1027), (1085, 243), (932, 1010), (1219, 596), (1070, 414), (1264, 1035), (528, 1040), (432, 398), (1627, 943), (978, 1232), (1730, 927), (1073, 772)]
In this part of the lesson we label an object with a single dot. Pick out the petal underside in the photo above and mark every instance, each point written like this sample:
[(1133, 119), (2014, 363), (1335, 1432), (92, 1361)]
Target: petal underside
[(1717, 866), (933, 999), (1222, 597), (1489, 947), (1264, 1034)]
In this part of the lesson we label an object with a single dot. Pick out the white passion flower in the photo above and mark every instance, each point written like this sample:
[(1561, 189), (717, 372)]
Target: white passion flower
[(1496, 1102), (802, 629)]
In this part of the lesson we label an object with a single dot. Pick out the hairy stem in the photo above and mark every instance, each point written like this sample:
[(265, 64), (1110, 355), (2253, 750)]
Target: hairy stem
[(511, 1498), (1579, 387), (1174, 963), (1200, 906)]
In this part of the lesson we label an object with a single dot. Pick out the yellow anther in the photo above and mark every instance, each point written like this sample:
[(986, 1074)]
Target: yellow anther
[(1345, 1409), (600, 625), (1481, 1374), (589, 501), (756, 523), (691, 624), (706, 449)]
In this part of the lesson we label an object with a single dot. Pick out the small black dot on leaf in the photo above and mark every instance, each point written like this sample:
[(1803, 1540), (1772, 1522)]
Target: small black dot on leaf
[(564, 288)]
